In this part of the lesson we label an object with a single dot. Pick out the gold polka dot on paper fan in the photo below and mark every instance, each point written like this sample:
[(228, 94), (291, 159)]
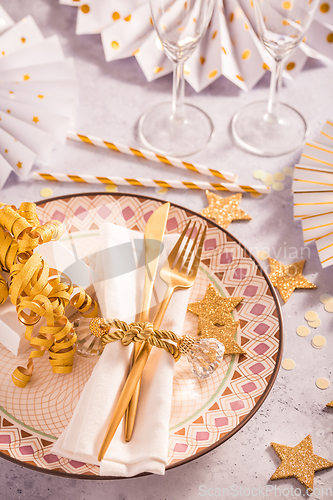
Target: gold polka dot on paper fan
[(115, 16), (285, 22), (231, 18), (330, 38), (302, 331), (246, 26), (290, 66), (240, 78), (128, 18), (212, 73), (214, 35), (115, 45), (322, 383), (265, 66), (324, 8), (246, 54), (85, 9), (224, 51), (158, 69), (286, 5), (288, 364), (202, 60)]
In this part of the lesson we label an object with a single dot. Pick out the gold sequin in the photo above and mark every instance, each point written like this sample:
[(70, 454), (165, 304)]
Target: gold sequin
[(246, 54), (262, 255), (46, 192), (322, 383), (224, 210), (311, 316), (286, 278), (288, 364), (325, 297), (300, 462), (318, 341), (302, 331)]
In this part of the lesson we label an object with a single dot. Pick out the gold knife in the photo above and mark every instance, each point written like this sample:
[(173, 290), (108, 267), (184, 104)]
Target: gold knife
[(153, 238)]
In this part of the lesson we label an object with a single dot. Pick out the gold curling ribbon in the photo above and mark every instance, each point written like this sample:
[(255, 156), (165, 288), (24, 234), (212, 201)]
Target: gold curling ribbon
[(38, 291)]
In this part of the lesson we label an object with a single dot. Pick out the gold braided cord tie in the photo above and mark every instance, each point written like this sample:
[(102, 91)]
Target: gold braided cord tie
[(38, 291), (136, 332)]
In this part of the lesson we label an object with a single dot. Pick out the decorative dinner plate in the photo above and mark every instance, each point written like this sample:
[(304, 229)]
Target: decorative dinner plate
[(204, 413)]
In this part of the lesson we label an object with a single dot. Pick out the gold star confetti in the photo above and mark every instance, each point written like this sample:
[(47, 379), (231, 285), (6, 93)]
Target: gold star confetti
[(215, 319), (3, 52), (330, 405), (224, 210), (286, 278), (35, 119), (26, 77), (300, 462), (224, 334), (19, 164), (23, 39), (40, 96)]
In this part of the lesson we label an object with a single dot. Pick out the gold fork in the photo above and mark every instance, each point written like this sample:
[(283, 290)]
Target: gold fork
[(179, 273)]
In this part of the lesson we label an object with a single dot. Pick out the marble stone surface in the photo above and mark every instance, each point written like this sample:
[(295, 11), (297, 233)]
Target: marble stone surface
[(112, 98)]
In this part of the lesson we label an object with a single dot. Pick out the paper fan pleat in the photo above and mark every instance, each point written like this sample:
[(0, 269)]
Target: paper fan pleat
[(5, 21), (126, 30), (313, 193), (38, 97)]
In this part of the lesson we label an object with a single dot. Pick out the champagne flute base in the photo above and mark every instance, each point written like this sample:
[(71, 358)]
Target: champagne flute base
[(160, 132), (255, 132)]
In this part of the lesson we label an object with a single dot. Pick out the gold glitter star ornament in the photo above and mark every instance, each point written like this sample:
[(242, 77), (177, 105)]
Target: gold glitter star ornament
[(330, 405), (215, 319), (300, 462), (224, 210), (286, 278)]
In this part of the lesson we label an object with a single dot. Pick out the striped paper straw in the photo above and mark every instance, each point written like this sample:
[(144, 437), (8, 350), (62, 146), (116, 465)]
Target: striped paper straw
[(140, 182), (149, 155)]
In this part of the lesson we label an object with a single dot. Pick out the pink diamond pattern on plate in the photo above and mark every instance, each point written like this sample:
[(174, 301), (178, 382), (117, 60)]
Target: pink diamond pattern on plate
[(81, 213), (147, 215), (221, 421), (250, 291), (210, 244), (57, 215), (202, 436), (257, 368), (172, 224), (104, 212), (26, 450), (257, 309), (261, 348), (237, 405), (261, 329), (226, 258), (240, 273), (127, 213), (5, 439), (51, 458), (180, 447), (249, 387)]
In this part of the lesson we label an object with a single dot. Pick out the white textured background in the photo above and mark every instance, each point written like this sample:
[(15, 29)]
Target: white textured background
[(113, 97)]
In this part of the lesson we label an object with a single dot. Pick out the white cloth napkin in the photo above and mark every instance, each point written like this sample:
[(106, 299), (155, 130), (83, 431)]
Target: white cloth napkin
[(121, 296)]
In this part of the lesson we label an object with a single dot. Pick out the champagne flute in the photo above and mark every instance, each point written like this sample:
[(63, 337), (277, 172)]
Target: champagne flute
[(178, 129), (274, 129)]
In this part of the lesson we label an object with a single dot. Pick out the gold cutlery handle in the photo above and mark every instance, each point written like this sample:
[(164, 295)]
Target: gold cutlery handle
[(133, 379)]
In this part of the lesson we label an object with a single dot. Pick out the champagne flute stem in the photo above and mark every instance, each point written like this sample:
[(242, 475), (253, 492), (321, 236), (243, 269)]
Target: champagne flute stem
[(178, 91), (274, 92)]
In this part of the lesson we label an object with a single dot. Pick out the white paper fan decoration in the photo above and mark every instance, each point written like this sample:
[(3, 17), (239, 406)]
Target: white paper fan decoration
[(230, 47), (38, 96), (313, 193)]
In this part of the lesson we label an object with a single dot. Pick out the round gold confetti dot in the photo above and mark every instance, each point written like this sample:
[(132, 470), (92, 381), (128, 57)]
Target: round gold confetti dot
[(246, 54), (302, 331), (163, 190), (268, 179), (278, 186), (85, 9), (290, 66), (325, 297), (46, 192), (329, 306), (315, 324), (324, 8), (128, 18), (258, 174), (286, 5), (110, 188), (330, 38), (311, 316), (115, 45), (288, 364), (288, 171), (262, 255), (212, 73), (322, 383), (318, 341), (115, 16), (279, 176)]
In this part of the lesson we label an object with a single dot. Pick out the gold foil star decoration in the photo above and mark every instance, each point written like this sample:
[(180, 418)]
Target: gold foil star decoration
[(35, 119), (215, 319), (224, 210), (19, 164), (330, 405), (300, 462), (286, 278)]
